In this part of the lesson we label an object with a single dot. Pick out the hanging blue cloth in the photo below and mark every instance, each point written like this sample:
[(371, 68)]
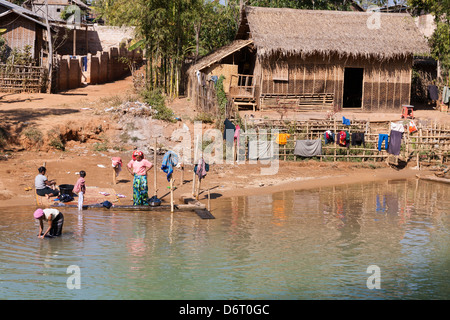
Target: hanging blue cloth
[(345, 121), (169, 161), (85, 63)]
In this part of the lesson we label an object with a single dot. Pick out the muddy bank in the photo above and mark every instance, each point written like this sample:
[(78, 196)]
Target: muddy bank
[(18, 170)]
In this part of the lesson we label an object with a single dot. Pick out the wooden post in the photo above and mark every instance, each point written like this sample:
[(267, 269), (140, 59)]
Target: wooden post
[(182, 174), (335, 138), (209, 199), (198, 188), (171, 194), (74, 40), (193, 170), (154, 169)]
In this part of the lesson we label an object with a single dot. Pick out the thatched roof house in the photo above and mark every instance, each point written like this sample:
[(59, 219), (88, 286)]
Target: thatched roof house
[(316, 58)]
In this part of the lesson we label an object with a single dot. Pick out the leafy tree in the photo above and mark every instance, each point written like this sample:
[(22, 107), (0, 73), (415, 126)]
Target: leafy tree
[(440, 39)]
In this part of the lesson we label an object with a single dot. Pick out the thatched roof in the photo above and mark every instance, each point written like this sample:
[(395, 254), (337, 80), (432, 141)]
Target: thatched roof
[(219, 54), (345, 33)]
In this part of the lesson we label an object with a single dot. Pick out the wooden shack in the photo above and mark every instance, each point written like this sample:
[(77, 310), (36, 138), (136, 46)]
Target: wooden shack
[(316, 60), (23, 28)]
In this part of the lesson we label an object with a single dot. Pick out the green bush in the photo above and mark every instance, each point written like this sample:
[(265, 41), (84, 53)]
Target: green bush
[(157, 101)]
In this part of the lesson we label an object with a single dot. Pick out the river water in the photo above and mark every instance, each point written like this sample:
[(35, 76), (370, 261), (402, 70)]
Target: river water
[(384, 240)]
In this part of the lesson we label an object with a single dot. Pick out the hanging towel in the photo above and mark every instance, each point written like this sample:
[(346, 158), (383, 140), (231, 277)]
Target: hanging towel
[(260, 150), (329, 136), (345, 121), (169, 161), (358, 139), (397, 126), (282, 138), (308, 148), (395, 142)]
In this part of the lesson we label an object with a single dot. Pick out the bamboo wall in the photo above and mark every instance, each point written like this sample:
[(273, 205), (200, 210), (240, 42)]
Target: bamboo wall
[(386, 85), (22, 78), (21, 32)]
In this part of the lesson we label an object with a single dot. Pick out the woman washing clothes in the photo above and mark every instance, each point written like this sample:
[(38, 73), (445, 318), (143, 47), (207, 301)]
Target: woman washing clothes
[(55, 221), (138, 167), (45, 187)]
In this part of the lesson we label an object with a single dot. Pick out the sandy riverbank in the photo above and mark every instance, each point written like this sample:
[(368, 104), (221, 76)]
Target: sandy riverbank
[(18, 172), (78, 115)]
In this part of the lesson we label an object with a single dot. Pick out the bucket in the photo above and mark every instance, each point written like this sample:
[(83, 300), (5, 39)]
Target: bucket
[(154, 201), (66, 189)]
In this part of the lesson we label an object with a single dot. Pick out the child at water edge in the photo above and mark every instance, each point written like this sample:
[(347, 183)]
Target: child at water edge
[(80, 188)]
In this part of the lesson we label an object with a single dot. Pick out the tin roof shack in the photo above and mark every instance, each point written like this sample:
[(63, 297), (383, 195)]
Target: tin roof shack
[(316, 59), (23, 28)]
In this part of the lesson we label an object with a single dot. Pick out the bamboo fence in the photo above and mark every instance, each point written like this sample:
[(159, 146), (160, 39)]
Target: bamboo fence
[(15, 78), (429, 145)]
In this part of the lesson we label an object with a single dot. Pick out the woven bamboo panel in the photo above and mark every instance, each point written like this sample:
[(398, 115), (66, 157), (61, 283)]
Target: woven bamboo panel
[(21, 78)]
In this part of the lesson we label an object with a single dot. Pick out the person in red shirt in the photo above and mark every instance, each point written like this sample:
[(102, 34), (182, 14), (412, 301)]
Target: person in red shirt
[(138, 168)]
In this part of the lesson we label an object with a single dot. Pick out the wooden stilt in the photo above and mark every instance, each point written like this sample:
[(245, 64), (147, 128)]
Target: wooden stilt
[(209, 199), (154, 169), (171, 194), (182, 175)]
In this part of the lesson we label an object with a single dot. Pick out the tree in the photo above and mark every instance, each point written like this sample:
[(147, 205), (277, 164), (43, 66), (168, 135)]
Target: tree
[(440, 39)]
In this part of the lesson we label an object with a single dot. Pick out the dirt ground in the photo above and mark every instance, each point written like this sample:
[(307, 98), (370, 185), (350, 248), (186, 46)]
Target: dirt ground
[(79, 115)]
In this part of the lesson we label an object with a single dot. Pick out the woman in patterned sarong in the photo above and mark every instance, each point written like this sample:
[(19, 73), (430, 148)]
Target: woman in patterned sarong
[(138, 167)]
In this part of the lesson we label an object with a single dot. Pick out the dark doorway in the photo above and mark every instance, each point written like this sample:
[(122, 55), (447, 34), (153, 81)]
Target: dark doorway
[(353, 87)]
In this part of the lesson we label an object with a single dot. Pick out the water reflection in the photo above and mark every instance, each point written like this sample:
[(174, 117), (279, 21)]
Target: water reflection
[(308, 244)]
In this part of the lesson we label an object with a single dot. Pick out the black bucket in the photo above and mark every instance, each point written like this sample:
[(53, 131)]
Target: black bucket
[(66, 189), (154, 201)]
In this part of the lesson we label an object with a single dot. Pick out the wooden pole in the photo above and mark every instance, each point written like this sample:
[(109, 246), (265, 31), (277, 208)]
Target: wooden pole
[(171, 194), (198, 188), (193, 173), (182, 174), (154, 169), (50, 50), (209, 199), (74, 40)]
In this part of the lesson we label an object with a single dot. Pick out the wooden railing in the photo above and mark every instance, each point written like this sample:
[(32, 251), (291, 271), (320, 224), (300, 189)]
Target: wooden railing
[(242, 86)]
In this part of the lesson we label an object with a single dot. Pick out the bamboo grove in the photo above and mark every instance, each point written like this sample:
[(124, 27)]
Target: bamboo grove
[(174, 32)]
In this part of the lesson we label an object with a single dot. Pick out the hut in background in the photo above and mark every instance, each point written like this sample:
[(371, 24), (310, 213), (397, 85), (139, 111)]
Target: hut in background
[(23, 29), (314, 60)]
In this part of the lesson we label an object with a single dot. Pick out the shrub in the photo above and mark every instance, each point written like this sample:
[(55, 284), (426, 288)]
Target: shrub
[(156, 99)]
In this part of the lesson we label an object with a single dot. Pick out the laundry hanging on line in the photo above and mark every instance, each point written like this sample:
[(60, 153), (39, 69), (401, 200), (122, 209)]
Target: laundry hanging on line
[(344, 138), (395, 142), (308, 148), (383, 138), (328, 136), (282, 138), (358, 139), (260, 150)]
